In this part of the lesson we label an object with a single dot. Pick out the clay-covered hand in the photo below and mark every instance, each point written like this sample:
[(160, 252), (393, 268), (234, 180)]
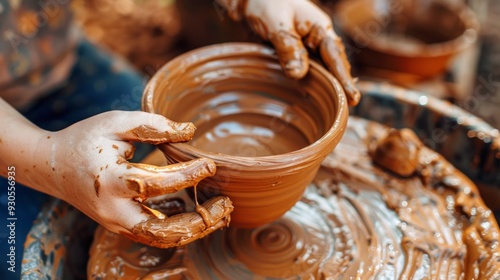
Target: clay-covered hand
[(291, 25), (87, 165)]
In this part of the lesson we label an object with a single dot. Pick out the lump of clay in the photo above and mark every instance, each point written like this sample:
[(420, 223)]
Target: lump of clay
[(398, 152)]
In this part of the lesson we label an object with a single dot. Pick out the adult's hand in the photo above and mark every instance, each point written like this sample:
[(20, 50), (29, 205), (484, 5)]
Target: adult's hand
[(291, 26)]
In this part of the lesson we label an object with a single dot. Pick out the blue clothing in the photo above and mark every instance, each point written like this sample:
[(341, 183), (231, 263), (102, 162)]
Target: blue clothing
[(98, 82)]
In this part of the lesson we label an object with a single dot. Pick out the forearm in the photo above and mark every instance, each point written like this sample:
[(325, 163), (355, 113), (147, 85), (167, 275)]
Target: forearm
[(18, 141)]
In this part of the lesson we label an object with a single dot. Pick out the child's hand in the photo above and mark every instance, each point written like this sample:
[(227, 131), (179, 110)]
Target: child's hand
[(86, 165), (291, 24)]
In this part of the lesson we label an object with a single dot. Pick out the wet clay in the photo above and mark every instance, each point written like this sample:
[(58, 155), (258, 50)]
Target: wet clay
[(294, 57), (333, 53), (398, 152), (249, 136), (168, 179), (176, 132), (235, 8), (356, 220), (183, 228), (160, 230), (266, 133)]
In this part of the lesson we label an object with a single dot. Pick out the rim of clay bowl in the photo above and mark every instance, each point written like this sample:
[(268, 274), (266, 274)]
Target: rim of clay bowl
[(334, 133), (450, 47)]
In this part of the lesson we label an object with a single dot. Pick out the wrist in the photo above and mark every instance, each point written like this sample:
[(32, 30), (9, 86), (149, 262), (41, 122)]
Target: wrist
[(18, 150), (42, 164), (19, 139)]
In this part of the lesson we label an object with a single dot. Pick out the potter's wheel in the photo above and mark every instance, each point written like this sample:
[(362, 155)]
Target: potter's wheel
[(355, 220), (60, 239)]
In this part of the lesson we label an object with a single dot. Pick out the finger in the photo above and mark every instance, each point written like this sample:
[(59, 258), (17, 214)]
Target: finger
[(166, 206), (148, 180), (333, 54), (183, 228), (155, 129), (316, 27), (125, 150), (291, 52)]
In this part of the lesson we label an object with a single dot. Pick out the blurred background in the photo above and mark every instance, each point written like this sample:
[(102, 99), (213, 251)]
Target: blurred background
[(150, 32), (448, 49)]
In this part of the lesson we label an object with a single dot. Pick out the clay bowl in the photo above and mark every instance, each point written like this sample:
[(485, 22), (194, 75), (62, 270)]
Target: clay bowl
[(267, 134), (405, 40)]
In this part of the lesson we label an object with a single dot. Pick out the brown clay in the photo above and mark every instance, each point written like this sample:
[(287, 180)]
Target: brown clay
[(355, 221), (406, 39), (398, 152), (183, 228), (333, 53), (266, 133), (292, 53), (178, 176), (294, 56), (177, 133)]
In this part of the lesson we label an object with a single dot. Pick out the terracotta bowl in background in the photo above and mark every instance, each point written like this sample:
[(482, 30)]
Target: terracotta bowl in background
[(267, 133), (405, 40)]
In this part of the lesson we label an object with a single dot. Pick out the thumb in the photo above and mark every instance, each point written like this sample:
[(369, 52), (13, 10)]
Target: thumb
[(154, 129)]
